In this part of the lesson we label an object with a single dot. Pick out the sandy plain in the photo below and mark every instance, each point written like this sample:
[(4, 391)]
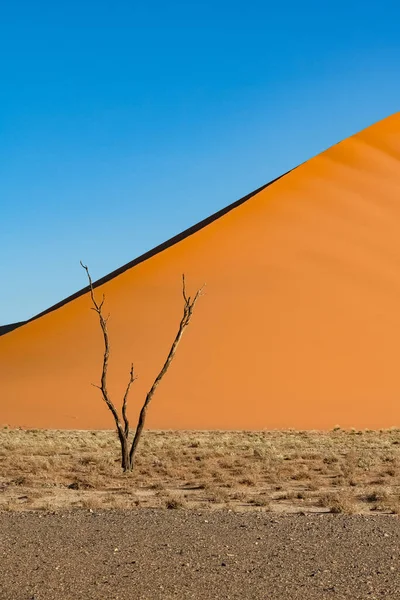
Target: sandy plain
[(301, 515), (159, 555)]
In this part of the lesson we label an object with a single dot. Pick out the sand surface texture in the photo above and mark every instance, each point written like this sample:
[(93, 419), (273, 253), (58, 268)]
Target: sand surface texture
[(150, 555), (299, 327)]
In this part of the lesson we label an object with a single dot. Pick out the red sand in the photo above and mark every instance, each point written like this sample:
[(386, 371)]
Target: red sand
[(299, 327)]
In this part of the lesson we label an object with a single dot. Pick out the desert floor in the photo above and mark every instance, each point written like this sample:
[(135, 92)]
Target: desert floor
[(152, 554), (264, 515), (279, 471)]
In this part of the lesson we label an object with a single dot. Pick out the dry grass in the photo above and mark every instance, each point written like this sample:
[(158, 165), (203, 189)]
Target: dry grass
[(281, 471)]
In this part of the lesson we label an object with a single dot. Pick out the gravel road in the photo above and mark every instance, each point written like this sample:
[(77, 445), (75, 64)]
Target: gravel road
[(161, 554)]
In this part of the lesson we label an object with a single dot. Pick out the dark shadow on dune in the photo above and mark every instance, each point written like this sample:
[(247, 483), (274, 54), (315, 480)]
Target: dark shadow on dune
[(6, 328), (172, 241)]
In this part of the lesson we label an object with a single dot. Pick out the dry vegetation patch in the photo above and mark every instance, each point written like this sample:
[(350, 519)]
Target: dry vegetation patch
[(283, 471)]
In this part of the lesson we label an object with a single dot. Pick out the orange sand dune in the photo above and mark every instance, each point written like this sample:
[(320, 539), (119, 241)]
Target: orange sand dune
[(299, 327)]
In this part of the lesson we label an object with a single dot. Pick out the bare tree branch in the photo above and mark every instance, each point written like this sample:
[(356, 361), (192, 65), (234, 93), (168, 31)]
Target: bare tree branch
[(106, 355), (127, 455), (187, 315), (125, 401)]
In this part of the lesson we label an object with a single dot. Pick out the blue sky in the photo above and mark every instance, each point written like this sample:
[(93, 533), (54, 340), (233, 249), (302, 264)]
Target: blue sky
[(121, 124)]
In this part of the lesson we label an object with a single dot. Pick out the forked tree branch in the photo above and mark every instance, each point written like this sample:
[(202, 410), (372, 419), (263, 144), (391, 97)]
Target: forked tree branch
[(123, 430), (103, 324), (187, 315)]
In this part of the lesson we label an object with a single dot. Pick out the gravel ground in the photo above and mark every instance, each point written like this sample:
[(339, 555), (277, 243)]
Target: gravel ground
[(159, 554)]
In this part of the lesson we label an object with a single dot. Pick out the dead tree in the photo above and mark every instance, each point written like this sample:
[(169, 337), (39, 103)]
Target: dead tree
[(128, 449)]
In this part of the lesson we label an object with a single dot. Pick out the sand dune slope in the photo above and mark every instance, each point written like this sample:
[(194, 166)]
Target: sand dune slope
[(299, 327)]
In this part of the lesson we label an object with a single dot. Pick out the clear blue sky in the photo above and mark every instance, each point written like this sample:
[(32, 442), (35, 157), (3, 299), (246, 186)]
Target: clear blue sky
[(123, 123)]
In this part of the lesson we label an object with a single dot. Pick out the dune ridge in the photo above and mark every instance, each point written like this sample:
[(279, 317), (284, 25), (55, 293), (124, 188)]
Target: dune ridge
[(299, 327)]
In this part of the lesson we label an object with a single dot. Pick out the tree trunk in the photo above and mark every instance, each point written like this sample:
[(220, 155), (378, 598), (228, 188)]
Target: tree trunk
[(137, 436), (125, 459)]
